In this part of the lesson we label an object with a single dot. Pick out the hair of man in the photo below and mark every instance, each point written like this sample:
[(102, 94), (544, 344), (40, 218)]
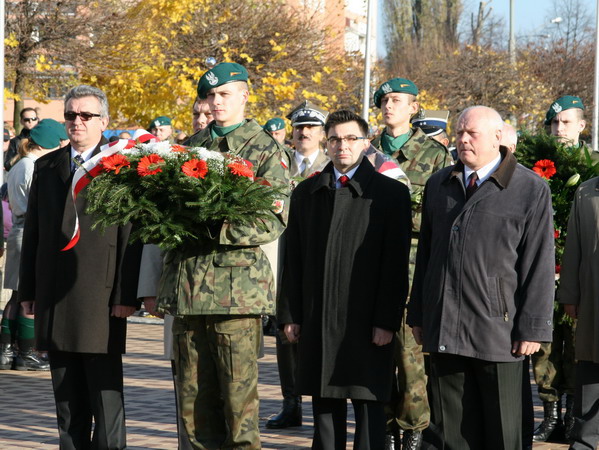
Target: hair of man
[(26, 110), (89, 91), (344, 116)]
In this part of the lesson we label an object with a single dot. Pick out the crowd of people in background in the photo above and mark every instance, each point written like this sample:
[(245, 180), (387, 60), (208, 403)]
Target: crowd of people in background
[(413, 278)]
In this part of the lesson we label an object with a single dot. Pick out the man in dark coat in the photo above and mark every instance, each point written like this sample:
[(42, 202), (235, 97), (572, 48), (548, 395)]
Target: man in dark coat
[(83, 295), (483, 287), (29, 120), (345, 283)]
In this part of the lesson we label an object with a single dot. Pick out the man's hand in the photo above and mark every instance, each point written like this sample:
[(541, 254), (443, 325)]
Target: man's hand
[(571, 310), (28, 307), (122, 311), (150, 304), (292, 331), (525, 348), (417, 333), (380, 336)]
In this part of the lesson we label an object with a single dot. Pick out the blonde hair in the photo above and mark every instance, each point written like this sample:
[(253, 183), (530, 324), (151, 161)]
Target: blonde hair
[(26, 146)]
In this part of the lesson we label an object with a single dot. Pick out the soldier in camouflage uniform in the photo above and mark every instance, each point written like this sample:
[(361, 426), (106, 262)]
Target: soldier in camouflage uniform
[(554, 364), (162, 128), (218, 291), (419, 156)]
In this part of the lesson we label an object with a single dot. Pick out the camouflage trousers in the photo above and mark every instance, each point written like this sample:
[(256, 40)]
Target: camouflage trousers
[(217, 379), (408, 408), (554, 364)]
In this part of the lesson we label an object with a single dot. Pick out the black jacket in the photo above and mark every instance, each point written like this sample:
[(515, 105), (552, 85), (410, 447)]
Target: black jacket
[(346, 271), (485, 269), (73, 290)]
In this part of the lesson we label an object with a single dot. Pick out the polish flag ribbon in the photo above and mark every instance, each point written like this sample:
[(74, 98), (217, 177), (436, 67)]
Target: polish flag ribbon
[(92, 167)]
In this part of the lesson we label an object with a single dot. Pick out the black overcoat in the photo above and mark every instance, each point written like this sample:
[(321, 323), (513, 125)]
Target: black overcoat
[(346, 271), (73, 290)]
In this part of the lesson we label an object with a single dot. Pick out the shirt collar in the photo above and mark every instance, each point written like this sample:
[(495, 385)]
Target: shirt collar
[(299, 158), (484, 172), (349, 174), (84, 154)]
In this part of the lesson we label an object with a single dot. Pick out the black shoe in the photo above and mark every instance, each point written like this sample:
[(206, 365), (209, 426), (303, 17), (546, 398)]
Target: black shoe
[(290, 415), (6, 356), (552, 427), (569, 417), (411, 440), (392, 441), (30, 360)]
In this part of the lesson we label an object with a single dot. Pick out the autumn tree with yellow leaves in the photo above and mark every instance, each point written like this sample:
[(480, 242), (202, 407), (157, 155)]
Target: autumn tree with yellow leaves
[(151, 67), (46, 43)]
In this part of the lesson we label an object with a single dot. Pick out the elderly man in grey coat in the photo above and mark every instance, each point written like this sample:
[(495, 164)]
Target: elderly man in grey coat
[(579, 293), (483, 289)]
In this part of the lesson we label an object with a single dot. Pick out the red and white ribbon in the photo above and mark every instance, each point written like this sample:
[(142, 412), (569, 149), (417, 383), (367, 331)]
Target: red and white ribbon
[(92, 167)]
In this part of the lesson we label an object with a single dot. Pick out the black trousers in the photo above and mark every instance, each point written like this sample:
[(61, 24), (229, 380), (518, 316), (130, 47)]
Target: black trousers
[(585, 434), (528, 413), (330, 424), (88, 386), (287, 364), (476, 404)]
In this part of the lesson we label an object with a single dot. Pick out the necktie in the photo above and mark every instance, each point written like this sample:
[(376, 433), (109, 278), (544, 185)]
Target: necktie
[(77, 161), (343, 179), (472, 186), (306, 162)]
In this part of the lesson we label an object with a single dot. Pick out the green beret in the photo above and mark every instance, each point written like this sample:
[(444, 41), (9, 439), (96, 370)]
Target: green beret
[(48, 133), (561, 104), (160, 121), (220, 74), (274, 124), (401, 85)]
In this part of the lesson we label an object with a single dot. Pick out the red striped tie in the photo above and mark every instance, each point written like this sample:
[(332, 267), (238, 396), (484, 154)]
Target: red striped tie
[(343, 179)]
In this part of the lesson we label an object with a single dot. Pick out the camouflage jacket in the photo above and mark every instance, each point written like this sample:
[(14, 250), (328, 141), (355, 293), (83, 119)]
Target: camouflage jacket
[(232, 275), (419, 158)]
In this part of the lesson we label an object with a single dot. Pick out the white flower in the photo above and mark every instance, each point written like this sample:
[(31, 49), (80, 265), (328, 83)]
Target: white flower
[(208, 154)]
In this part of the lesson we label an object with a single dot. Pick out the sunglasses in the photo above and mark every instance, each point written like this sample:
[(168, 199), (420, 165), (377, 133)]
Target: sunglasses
[(30, 119), (85, 116)]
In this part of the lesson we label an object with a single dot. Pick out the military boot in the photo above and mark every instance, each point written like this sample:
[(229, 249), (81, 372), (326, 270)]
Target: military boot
[(552, 427), (6, 356), (569, 416), (411, 440), (30, 360), (290, 415)]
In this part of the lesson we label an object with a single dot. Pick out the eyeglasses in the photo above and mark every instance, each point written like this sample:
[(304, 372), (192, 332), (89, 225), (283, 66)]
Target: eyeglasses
[(336, 140), (30, 119), (85, 116)]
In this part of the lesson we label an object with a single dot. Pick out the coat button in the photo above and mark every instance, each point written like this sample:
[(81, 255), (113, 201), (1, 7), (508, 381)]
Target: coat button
[(441, 348), (455, 228), (549, 322)]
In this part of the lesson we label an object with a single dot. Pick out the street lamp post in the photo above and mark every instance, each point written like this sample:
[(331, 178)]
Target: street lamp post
[(367, 50), (596, 90)]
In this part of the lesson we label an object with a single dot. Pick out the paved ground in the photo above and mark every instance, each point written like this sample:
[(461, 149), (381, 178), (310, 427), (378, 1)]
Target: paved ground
[(27, 415)]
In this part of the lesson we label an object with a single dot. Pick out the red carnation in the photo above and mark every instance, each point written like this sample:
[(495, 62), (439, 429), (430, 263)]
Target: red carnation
[(545, 168), (196, 168), (115, 163), (240, 169), (556, 233), (150, 165), (558, 268)]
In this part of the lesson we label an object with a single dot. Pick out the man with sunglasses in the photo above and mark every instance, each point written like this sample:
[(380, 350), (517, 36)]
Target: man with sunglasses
[(82, 295), (29, 120), (345, 281)]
